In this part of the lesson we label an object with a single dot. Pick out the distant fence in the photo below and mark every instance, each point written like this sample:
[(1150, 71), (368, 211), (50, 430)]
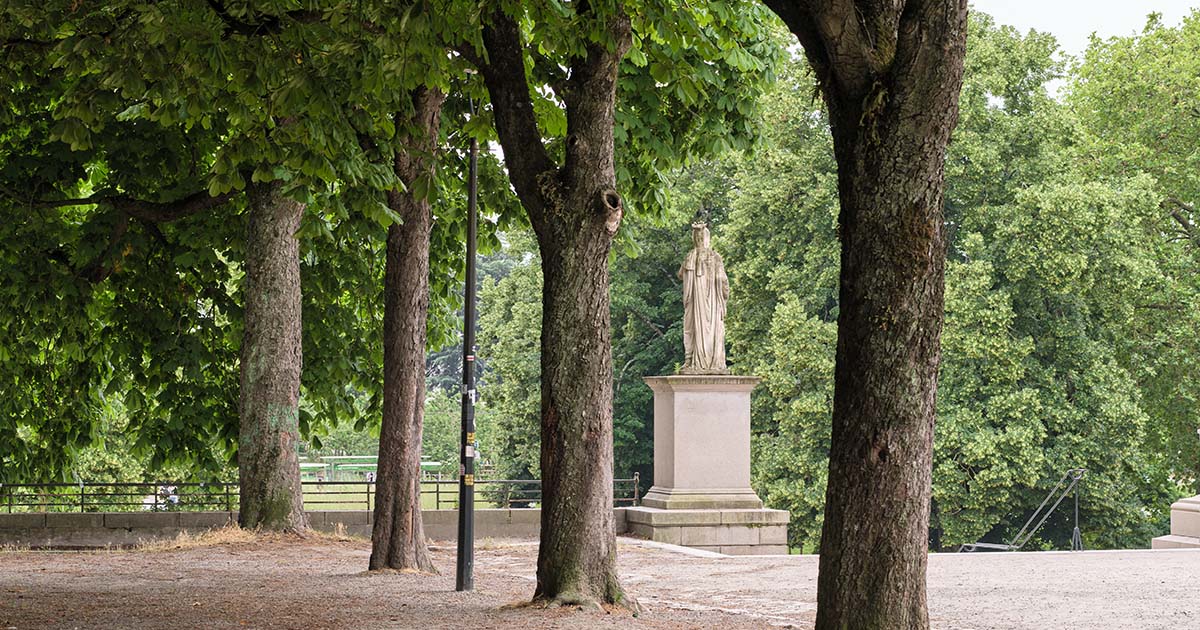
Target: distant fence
[(436, 494)]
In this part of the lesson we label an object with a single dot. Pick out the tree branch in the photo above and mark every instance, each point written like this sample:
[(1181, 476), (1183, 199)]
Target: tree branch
[(152, 211), (516, 125), (33, 43), (102, 265), (846, 56), (1176, 207), (269, 24), (657, 329)]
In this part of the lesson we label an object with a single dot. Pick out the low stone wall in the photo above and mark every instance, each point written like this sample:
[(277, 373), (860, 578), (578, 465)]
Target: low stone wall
[(114, 529)]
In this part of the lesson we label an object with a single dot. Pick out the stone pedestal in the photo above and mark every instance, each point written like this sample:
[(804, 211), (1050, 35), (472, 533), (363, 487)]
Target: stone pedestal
[(1185, 526), (701, 495)]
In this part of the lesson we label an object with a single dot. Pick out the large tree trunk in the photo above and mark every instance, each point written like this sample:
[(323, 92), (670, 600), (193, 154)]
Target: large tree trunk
[(398, 535), (575, 210), (268, 465), (577, 556), (890, 74)]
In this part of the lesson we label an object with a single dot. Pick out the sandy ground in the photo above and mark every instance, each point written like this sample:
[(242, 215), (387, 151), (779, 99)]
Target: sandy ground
[(320, 583)]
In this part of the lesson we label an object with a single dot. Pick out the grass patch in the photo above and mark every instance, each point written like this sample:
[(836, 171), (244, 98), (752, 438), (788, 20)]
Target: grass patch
[(342, 497), (232, 535)]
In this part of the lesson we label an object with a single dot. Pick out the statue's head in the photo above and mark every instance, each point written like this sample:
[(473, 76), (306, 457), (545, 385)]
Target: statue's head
[(700, 235)]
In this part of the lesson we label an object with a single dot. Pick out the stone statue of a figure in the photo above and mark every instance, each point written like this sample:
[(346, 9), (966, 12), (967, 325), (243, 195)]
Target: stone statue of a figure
[(705, 292)]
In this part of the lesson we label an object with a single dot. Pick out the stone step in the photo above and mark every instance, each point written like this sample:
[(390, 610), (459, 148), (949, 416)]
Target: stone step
[(1175, 542)]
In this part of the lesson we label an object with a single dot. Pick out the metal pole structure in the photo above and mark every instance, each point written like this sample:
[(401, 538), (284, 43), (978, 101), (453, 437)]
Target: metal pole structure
[(465, 578), (1076, 536)]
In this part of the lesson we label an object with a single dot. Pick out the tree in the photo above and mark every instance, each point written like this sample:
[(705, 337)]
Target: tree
[(1047, 325), (269, 407), (508, 310), (890, 76), (280, 131), (575, 213), (94, 219), (646, 332), (1137, 104), (397, 535), (783, 308), (569, 191)]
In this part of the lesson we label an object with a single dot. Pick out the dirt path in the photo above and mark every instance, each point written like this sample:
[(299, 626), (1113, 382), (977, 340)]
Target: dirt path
[(319, 583)]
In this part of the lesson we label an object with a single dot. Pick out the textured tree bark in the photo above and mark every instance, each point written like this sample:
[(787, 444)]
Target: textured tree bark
[(268, 465), (575, 211), (890, 74), (577, 555), (398, 534)]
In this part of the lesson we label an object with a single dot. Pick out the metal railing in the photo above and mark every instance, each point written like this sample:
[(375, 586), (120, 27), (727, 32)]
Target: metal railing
[(439, 494)]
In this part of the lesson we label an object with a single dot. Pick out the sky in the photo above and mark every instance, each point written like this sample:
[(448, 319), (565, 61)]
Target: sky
[(1072, 21)]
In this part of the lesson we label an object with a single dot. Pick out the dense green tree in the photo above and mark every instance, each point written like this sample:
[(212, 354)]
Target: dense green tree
[(783, 307), (79, 325), (1136, 100), (510, 315), (285, 132)]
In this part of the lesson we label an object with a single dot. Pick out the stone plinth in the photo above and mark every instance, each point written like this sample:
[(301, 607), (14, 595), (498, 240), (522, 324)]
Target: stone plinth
[(1185, 526), (701, 495), (702, 443), (731, 532)]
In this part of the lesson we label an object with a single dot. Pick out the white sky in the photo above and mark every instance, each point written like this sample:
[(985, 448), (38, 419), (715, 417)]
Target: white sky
[(1072, 21)]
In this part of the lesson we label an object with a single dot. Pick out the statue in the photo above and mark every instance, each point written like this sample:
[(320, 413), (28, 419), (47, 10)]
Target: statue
[(705, 292)]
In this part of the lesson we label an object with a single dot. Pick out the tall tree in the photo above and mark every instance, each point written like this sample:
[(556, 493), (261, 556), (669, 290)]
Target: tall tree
[(575, 212), (568, 188), (890, 75), (252, 77), (1137, 100), (398, 535)]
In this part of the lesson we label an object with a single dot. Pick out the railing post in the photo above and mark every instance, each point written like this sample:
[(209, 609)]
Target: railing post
[(637, 481), (368, 496), (81, 495), (228, 503)]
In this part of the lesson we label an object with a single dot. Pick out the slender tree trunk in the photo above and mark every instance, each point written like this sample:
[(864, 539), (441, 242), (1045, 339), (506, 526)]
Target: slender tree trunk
[(398, 535), (890, 74), (268, 465)]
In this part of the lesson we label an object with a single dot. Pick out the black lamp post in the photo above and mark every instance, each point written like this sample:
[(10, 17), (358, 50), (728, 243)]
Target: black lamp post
[(465, 579)]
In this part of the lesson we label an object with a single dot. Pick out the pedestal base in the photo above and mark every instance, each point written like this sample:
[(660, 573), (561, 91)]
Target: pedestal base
[(702, 499), (728, 531), (701, 495), (1185, 526)]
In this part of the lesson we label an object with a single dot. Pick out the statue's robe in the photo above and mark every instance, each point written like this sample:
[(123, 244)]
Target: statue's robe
[(705, 292)]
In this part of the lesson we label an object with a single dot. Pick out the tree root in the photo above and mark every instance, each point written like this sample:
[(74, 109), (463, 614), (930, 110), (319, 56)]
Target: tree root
[(585, 603)]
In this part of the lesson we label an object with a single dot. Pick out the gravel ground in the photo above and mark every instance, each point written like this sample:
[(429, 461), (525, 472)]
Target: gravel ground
[(319, 582)]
